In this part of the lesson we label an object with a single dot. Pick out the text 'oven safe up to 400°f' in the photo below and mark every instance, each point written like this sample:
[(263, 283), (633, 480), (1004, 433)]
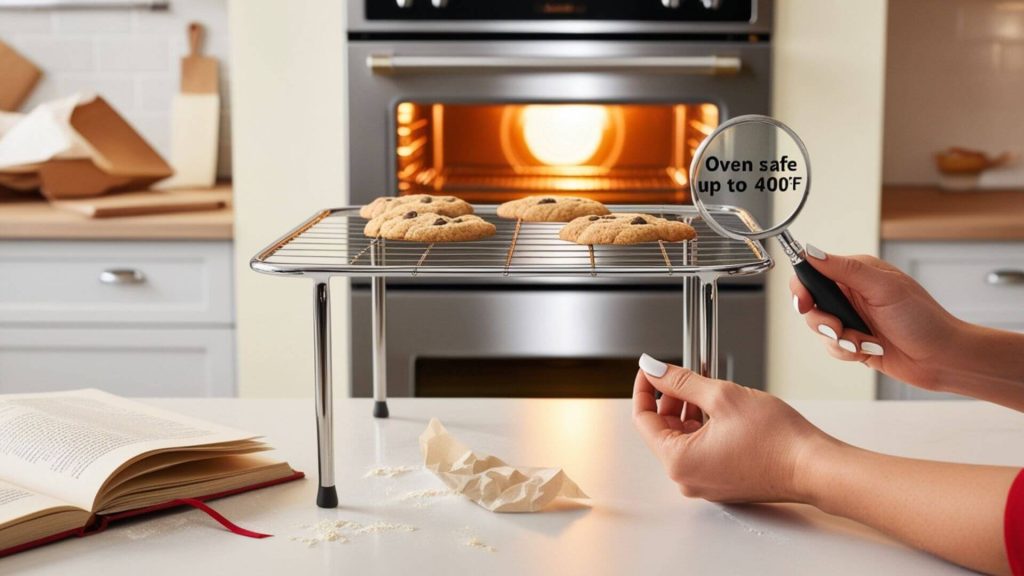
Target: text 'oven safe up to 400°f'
[(742, 175)]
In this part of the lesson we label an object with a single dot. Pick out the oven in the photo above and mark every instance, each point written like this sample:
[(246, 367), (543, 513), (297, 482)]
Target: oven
[(491, 101)]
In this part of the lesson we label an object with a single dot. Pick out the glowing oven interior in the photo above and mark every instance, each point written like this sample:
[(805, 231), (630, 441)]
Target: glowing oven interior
[(616, 153)]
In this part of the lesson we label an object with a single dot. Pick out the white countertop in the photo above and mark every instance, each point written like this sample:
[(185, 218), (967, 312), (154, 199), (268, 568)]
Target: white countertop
[(637, 522)]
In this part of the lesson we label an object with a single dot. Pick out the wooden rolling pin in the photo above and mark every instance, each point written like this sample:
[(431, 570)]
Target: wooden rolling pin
[(195, 118)]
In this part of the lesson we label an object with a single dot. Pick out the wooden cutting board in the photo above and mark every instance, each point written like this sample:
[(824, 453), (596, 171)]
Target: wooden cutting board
[(18, 75), (146, 202), (195, 118)]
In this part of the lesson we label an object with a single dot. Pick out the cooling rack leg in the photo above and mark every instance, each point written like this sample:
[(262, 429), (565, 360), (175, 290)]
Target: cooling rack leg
[(709, 327), (327, 494), (691, 323), (380, 356)]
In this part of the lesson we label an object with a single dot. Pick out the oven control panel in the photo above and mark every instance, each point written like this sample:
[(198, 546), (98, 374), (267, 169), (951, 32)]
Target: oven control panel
[(738, 11)]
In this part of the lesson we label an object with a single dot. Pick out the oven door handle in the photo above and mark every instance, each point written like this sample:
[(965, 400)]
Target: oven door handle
[(696, 65)]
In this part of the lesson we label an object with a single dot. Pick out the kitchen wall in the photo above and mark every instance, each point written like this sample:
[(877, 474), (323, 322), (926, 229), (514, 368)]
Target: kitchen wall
[(289, 104), (131, 57), (955, 78), (829, 67)]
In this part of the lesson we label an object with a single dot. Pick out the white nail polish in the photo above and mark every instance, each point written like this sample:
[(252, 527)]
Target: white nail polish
[(815, 252), (848, 346), (871, 348), (824, 329), (796, 304), (652, 366)]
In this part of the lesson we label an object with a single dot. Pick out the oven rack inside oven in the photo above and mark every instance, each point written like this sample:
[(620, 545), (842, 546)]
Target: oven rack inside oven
[(332, 243)]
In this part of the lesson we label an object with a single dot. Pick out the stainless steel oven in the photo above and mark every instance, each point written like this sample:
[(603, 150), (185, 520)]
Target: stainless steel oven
[(495, 100)]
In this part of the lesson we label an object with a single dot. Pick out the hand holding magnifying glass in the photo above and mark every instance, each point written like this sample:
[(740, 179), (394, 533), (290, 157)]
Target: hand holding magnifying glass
[(752, 155)]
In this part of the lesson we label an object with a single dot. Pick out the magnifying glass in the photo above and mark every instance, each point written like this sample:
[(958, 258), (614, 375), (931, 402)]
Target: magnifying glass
[(757, 160)]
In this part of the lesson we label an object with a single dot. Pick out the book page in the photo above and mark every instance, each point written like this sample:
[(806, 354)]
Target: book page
[(17, 503), (67, 444)]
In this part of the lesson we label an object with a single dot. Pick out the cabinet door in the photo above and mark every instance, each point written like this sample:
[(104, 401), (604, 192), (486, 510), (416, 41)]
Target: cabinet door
[(978, 282), (128, 362), (58, 282)]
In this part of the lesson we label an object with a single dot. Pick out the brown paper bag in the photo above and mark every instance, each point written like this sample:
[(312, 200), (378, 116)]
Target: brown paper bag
[(77, 147), (19, 78)]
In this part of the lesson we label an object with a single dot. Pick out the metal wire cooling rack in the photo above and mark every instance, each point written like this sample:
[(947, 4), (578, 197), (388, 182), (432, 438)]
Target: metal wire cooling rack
[(331, 243)]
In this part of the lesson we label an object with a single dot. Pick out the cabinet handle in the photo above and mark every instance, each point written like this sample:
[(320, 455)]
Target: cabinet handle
[(1005, 277), (122, 276)]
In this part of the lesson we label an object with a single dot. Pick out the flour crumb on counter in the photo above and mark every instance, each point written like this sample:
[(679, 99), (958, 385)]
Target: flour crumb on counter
[(388, 471), (424, 498), (341, 531), (474, 542), (382, 527), (471, 540)]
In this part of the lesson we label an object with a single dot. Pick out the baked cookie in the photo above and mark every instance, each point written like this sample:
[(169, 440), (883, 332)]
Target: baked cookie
[(429, 227), (397, 205), (625, 228), (448, 229), (550, 208)]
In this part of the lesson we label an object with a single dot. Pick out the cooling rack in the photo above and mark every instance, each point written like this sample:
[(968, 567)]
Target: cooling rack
[(332, 243)]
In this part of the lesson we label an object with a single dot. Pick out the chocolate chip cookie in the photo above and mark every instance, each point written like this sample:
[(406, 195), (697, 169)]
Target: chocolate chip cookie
[(429, 227), (550, 208), (625, 228), (398, 205)]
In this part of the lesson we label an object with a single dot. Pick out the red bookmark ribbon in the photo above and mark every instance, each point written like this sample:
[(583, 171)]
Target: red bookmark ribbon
[(231, 526)]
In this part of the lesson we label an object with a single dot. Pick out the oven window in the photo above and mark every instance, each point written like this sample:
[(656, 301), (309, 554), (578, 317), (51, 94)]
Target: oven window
[(488, 153), (526, 377)]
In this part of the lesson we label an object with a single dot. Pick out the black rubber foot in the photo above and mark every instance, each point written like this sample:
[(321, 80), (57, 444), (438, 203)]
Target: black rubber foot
[(327, 497), (380, 410)]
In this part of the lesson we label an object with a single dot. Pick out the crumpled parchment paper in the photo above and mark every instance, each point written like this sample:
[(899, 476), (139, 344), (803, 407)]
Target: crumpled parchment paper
[(488, 480)]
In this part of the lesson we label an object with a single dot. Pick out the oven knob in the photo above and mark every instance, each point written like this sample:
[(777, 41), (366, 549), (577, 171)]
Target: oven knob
[(439, 3), (672, 4), (404, 3), (711, 4)]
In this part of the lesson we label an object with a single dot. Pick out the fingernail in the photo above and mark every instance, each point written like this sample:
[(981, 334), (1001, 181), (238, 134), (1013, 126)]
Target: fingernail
[(824, 329), (796, 304), (848, 346), (815, 252), (872, 348), (653, 367)]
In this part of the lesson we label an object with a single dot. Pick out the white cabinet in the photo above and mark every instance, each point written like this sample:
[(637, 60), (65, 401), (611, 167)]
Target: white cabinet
[(59, 282), (125, 361), (979, 282), (137, 318)]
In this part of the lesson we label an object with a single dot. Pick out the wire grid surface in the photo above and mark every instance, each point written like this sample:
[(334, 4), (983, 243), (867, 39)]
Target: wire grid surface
[(332, 243)]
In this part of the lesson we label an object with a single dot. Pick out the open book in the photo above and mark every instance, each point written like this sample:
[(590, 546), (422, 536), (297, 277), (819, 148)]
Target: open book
[(71, 461)]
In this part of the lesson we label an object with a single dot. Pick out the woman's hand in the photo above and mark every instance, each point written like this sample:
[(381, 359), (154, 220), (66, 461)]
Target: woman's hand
[(913, 334), (753, 448)]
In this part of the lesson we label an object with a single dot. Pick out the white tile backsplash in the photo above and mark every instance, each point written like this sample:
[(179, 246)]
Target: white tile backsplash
[(55, 54), (26, 22), (89, 21), (954, 77), (117, 89), (133, 53), (129, 56)]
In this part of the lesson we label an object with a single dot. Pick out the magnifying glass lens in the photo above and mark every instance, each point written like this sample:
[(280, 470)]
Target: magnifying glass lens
[(753, 164), (760, 164)]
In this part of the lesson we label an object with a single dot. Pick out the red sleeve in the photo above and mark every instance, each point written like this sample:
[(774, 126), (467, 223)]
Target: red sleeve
[(1013, 527)]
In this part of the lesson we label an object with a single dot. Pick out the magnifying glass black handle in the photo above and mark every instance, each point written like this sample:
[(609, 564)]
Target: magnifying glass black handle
[(828, 297)]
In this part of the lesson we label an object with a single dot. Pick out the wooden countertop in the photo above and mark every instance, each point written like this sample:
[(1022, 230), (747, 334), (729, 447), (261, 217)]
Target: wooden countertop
[(34, 218), (927, 213)]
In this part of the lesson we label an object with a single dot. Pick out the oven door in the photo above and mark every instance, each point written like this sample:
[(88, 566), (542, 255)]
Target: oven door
[(568, 342), (730, 76)]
